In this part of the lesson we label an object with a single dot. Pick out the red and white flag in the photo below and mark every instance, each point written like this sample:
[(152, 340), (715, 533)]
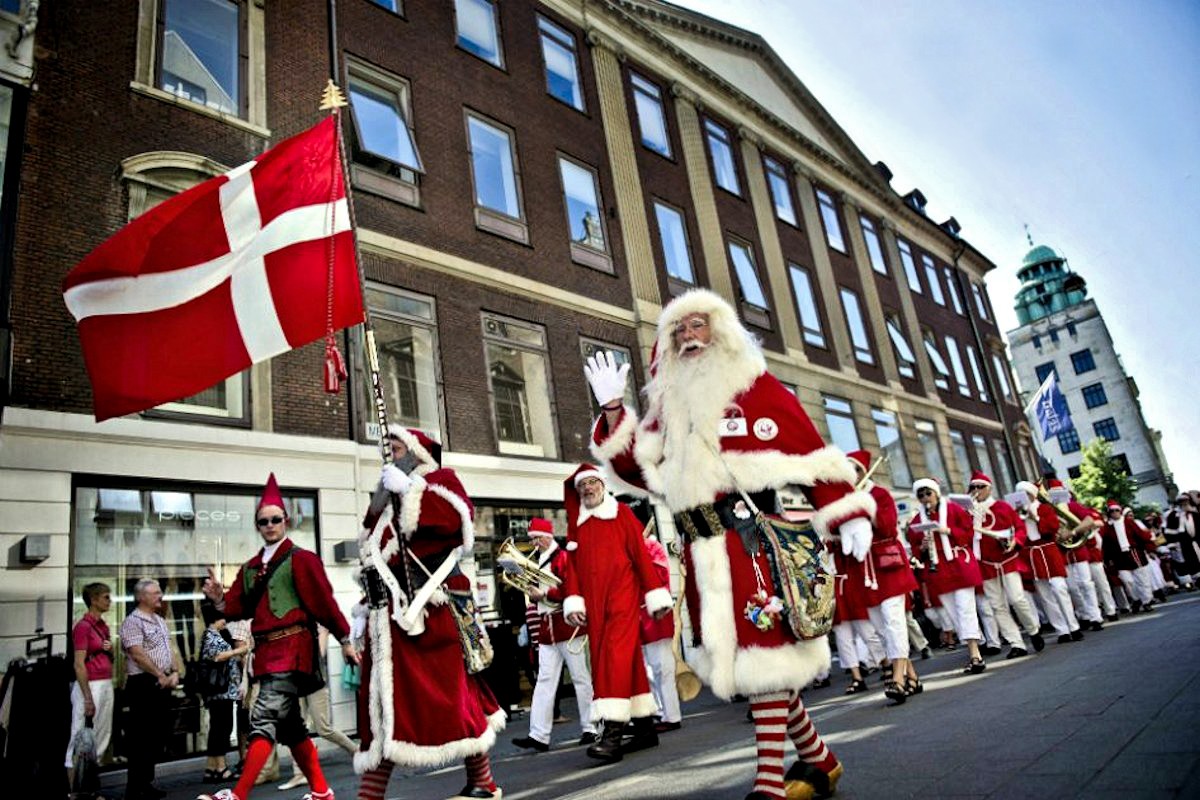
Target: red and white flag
[(233, 271)]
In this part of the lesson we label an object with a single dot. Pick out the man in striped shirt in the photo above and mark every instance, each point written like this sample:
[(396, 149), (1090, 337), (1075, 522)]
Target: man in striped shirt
[(151, 675)]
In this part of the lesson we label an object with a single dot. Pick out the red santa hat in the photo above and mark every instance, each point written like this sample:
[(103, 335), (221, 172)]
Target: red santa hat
[(927, 483), (1054, 483), (979, 476), (419, 443), (571, 496), (1111, 504), (271, 496), (540, 526), (1028, 488), (860, 457)]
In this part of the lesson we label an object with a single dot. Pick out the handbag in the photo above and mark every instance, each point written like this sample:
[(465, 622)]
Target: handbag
[(207, 678), (805, 585), (890, 557)]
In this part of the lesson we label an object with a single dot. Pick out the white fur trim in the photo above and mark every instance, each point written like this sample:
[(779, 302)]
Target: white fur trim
[(406, 754), (656, 600), (611, 709), (642, 705), (428, 464), (464, 513), (573, 604), (410, 507), (844, 508), (572, 546), (619, 438), (720, 663), (607, 509), (928, 483), (580, 477), (1027, 487)]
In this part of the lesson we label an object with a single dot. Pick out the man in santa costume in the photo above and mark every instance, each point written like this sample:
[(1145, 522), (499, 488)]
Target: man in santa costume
[(559, 643), (1084, 595), (419, 706), (717, 424), (945, 532), (285, 591), (1126, 542), (1000, 563), (1047, 565), (608, 575)]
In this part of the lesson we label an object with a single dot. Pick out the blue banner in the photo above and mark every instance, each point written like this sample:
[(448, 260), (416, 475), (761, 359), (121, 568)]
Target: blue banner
[(1051, 410)]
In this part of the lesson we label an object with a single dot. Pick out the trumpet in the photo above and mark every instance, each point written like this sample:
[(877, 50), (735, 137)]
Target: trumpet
[(520, 572), (1010, 541), (1072, 532), (931, 542)]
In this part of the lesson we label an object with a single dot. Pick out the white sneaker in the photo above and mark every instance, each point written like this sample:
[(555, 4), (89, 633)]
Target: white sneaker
[(223, 794), (325, 795), (296, 780)]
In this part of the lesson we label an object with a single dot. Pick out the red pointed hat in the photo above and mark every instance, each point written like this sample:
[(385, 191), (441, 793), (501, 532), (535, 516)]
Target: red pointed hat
[(862, 457), (978, 476), (540, 526), (271, 495), (1055, 483), (420, 443), (1113, 504)]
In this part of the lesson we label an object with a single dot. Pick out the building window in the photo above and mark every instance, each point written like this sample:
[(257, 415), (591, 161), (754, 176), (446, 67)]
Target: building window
[(874, 249), (1043, 371), (1068, 441), (1037, 342), (390, 5), (906, 361), (781, 193), (931, 276), (831, 220), (1071, 330), (980, 305), (857, 326), (588, 348), (958, 444), (651, 116), (747, 274), (1002, 376), (839, 417), (519, 380), (581, 197), (960, 374), (977, 373), (935, 465), (910, 267), (984, 457), (1074, 472), (1122, 463), (1083, 361), (672, 232), (406, 339), (1054, 335), (562, 64), (806, 306), (721, 152), (478, 26), (200, 53), (891, 445), (941, 374), (1004, 474), (1107, 429), (383, 133), (1094, 395), (497, 180), (955, 297)]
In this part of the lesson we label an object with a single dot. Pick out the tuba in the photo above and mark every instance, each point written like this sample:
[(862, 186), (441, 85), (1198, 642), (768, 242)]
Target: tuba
[(1072, 532), (519, 570)]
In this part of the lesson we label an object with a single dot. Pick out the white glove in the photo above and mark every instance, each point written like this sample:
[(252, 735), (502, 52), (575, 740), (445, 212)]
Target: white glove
[(395, 480), (606, 377), (856, 537)]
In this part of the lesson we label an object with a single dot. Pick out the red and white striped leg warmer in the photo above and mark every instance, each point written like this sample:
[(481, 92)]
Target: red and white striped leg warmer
[(770, 713), (809, 745), (373, 784), (479, 772)]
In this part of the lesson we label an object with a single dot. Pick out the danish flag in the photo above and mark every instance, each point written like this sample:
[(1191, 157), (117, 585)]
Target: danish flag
[(238, 269)]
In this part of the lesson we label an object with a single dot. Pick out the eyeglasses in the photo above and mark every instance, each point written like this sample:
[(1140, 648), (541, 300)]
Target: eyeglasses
[(263, 522)]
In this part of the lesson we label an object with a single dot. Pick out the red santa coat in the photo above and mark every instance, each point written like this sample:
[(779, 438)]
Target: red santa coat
[(609, 574), (852, 591), (1042, 552), (418, 706), (957, 567), (885, 540), (654, 630), (1081, 554), (553, 627), (1127, 551), (298, 594), (994, 559)]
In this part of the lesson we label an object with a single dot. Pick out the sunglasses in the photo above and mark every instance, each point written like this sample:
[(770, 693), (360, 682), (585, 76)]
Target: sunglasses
[(263, 522), (979, 486), (924, 492)]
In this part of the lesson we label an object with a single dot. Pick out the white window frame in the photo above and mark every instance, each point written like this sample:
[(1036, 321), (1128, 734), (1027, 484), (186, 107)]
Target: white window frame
[(977, 372), (935, 285), (955, 297), (906, 359), (681, 281), (831, 220), (777, 181), (941, 372), (1002, 376), (874, 246), (531, 449), (881, 418), (960, 373), (980, 303), (716, 136), (549, 29), (755, 312), (842, 409), (927, 438), (910, 265), (496, 32), (811, 329), (490, 219), (643, 87), (582, 252), (378, 173), (857, 326), (958, 445)]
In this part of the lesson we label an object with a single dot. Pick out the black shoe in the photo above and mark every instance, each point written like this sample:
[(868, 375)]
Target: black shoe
[(666, 727), (529, 743), (856, 686), (975, 667), (1077, 635), (608, 747), (1135, 606), (989, 650), (587, 738), (473, 792), (1111, 618), (894, 692), (1096, 625), (913, 686), (1047, 628), (1065, 639), (926, 653), (1147, 608), (1038, 642), (1017, 652), (644, 735), (823, 784), (824, 683)]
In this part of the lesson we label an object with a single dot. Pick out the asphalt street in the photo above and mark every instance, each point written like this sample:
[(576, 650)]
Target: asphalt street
[(1113, 716)]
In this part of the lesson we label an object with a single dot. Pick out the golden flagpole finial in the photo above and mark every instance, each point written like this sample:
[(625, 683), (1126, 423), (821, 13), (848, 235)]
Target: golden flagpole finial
[(332, 97)]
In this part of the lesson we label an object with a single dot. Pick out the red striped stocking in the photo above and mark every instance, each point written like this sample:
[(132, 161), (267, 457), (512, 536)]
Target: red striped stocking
[(770, 713), (373, 784), (809, 746), (479, 772)]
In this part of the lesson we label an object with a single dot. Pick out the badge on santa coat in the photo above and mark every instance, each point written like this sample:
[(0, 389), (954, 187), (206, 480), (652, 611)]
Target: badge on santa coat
[(765, 429), (732, 426)]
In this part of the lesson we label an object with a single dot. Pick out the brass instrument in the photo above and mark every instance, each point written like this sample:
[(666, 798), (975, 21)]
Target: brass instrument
[(687, 682), (520, 572), (1072, 532), (931, 542)]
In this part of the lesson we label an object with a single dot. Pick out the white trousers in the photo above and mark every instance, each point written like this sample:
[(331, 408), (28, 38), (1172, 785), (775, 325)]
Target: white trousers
[(1083, 592), (916, 636), (889, 620), (1056, 601), (550, 664), (844, 633), (1006, 590), (987, 621), (102, 696), (1157, 581), (959, 607), (1103, 591), (1035, 602), (661, 662), (1137, 584)]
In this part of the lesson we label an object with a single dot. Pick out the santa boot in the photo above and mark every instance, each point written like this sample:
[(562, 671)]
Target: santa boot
[(644, 735), (608, 748), (806, 781)]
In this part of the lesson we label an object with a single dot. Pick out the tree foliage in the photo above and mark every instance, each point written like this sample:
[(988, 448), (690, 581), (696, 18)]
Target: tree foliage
[(1101, 477)]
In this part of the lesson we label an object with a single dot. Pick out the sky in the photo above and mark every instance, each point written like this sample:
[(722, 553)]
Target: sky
[(1080, 118)]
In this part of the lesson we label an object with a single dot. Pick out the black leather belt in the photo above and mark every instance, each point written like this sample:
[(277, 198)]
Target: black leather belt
[(715, 519)]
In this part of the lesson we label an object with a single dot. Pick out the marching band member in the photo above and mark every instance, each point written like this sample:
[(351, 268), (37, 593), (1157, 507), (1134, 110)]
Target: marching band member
[(658, 635), (555, 648), (1079, 572), (1000, 564), (945, 530), (1180, 530), (1101, 580), (850, 617), (1046, 562), (1125, 543)]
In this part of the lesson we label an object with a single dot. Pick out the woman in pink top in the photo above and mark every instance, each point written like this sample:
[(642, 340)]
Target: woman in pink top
[(92, 692)]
